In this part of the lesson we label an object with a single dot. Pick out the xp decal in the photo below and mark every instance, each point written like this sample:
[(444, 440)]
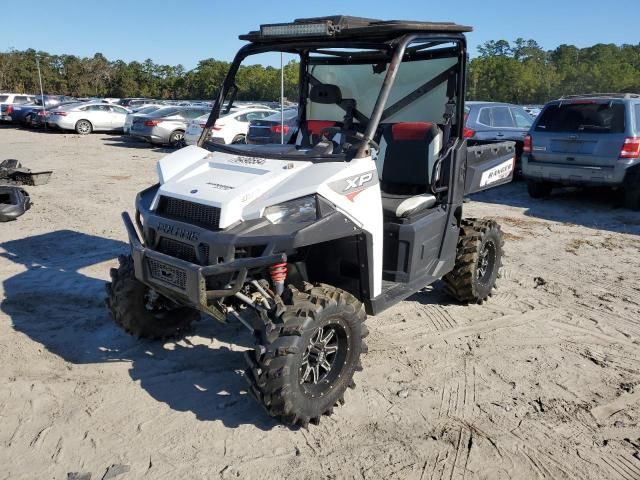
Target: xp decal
[(350, 187)]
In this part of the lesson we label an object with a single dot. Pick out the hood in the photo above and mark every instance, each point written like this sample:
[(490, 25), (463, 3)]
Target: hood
[(227, 181)]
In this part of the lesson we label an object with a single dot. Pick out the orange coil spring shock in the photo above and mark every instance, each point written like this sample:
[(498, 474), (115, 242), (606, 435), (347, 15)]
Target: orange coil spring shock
[(278, 274)]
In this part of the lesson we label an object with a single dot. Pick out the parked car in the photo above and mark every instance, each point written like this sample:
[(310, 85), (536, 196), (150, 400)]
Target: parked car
[(586, 140), (137, 112), (133, 102), (24, 113), (9, 100), (166, 125), (39, 117), (270, 129), (85, 118), (497, 122), (231, 128), (533, 110)]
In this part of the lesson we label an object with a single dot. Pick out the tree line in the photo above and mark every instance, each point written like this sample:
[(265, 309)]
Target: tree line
[(518, 72)]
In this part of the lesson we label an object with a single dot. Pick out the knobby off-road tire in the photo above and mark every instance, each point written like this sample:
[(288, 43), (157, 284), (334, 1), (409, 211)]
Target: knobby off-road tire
[(632, 190), (127, 299), (288, 376), (478, 261)]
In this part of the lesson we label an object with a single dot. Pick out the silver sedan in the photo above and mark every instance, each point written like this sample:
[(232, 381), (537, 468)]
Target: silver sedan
[(86, 118)]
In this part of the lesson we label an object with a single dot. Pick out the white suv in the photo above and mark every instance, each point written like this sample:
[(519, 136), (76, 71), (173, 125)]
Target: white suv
[(10, 99), (231, 128), (17, 98)]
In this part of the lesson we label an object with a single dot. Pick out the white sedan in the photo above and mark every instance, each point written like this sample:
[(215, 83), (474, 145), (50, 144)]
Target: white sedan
[(232, 128), (85, 118)]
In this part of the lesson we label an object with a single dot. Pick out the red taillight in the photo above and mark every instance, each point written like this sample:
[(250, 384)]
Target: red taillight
[(202, 125), (42, 114), (9, 109), (280, 129), (630, 148), (468, 133), (61, 114), (151, 123), (217, 127), (527, 144)]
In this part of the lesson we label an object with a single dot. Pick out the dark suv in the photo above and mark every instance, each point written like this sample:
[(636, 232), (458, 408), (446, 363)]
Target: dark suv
[(497, 122), (586, 140)]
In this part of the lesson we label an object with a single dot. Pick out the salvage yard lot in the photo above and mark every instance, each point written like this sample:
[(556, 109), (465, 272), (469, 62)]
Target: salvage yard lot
[(543, 381)]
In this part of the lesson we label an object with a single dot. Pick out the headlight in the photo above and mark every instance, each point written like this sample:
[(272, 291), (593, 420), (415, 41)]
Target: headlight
[(300, 210)]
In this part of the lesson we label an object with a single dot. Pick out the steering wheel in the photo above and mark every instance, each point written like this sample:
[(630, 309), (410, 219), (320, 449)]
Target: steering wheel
[(328, 132)]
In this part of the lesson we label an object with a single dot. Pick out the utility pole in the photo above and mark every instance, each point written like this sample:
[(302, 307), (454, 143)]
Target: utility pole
[(41, 92), (281, 98)]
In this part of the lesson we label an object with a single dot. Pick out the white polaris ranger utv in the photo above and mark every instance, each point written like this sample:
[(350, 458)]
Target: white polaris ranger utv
[(301, 241)]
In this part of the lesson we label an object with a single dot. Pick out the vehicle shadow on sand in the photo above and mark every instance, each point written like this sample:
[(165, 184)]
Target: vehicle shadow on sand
[(56, 302), (125, 141), (599, 209)]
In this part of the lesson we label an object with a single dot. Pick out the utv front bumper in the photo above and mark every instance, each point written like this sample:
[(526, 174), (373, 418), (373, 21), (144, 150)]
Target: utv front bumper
[(187, 283)]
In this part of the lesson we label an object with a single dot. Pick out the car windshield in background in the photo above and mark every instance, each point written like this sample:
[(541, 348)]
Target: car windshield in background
[(166, 111), (148, 109), (595, 117), (288, 115)]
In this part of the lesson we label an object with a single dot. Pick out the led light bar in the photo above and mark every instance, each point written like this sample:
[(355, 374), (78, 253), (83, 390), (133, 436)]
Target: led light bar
[(296, 29)]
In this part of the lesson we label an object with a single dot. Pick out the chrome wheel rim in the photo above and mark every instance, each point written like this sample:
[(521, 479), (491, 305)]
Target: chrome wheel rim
[(319, 357), (486, 262), (83, 127)]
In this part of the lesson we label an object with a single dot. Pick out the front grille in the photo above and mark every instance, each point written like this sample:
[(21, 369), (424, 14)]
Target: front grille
[(168, 273), (190, 212), (184, 251), (180, 250)]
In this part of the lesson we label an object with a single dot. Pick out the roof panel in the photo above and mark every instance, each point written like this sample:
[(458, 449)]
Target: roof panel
[(342, 26)]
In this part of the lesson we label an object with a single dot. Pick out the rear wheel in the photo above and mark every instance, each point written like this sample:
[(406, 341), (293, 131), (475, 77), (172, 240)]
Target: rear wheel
[(538, 189), (176, 138), (84, 127), (632, 190), (239, 139), (478, 261), (142, 312), (305, 371)]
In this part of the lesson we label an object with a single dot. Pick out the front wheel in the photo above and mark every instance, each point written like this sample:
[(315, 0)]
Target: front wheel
[(83, 127), (176, 138), (142, 312), (239, 139), (305, 371), (478, 261)]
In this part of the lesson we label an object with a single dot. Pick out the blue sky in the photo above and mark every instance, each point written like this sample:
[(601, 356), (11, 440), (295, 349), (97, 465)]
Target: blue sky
[(172, 32)]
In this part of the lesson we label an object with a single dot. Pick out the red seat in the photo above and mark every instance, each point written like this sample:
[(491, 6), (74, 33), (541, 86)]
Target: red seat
[(315, 127)]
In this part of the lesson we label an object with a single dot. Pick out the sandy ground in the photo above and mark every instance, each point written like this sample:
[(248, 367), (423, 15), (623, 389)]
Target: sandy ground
[(541, 382)]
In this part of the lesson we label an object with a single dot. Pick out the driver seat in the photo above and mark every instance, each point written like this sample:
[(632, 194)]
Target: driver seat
[(408, 152), (326, 94)]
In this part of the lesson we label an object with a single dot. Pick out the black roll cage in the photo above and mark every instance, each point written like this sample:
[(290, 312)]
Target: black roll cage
[(395, 48)]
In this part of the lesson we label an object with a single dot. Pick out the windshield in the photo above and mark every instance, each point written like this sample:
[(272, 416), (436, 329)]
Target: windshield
[(166, 111), (288, 115), (339, 93), (150, 109)]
